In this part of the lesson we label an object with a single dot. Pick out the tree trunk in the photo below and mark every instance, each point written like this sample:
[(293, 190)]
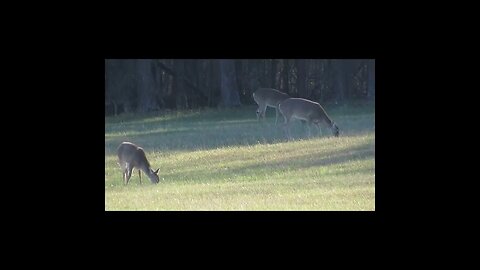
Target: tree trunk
[(191, 93), (286, 70), (301, 78), (339, 80), (371, 79), (308, 87), (254, 75), (351, 68), (228, 87), (179, 90), (273, 74), (244, 91), (214, 83), (146, 85), (120, 82)]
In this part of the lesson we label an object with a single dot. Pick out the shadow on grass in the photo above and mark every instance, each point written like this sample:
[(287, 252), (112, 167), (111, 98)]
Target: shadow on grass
[(212, 135), (288, 165), (211, 128), (167, 117), (204, 136)]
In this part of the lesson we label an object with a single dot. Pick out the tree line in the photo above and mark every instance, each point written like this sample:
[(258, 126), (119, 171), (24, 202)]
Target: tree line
[(143, 85)]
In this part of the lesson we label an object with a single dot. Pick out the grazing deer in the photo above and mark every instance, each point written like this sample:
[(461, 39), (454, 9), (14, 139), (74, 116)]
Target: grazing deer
[(307, 110), (268, 97), (131, 156)]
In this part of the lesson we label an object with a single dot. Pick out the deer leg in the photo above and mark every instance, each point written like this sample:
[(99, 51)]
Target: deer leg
[(260, 111), (129, 175), (276, 115), (140, 175), (289, 133), (309, 133), (123, 171), (319, 129), (129, 172), (286, 127)]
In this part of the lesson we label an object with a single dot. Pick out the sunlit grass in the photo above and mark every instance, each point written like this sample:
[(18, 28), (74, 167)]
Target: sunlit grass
[(226, 160)]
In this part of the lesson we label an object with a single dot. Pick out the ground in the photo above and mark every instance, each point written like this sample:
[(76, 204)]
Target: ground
[(223, 159)]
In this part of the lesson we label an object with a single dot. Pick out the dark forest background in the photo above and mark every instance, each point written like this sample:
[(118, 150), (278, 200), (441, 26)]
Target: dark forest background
[(144, 85)]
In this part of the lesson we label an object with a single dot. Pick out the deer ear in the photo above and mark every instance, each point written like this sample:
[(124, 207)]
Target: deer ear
[(156, 172)]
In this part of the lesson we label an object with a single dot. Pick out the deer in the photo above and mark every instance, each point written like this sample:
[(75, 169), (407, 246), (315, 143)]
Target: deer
[(268, 97), (131, 156), (306, 110)]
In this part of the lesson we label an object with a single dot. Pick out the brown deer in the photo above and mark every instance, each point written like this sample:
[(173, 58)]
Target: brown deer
[(307, 110), (268, 97), (131, 156)]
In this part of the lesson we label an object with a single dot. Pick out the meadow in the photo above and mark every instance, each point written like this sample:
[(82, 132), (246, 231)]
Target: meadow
[(224, 159)]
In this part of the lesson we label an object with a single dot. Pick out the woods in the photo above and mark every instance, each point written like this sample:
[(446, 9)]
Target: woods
[(144, 85)]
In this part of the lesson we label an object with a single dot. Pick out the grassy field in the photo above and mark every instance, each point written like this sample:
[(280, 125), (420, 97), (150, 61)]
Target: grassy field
[(224, 159)]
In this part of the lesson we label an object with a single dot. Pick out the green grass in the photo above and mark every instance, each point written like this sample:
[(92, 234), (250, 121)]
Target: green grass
[(225, 160)]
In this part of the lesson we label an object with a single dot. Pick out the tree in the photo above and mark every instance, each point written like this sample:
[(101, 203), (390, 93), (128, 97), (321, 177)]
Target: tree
[(229, 92), (301, 78), (254, 75), (339, 83), (213, 82), (146, 85), (286, 71), (121, 80), (273, 74), (179, 91), (371, 79)]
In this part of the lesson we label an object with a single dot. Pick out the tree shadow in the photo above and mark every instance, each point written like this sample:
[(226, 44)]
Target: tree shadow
[(212, 129), (286, 164), (172, 116), (211, 135)]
